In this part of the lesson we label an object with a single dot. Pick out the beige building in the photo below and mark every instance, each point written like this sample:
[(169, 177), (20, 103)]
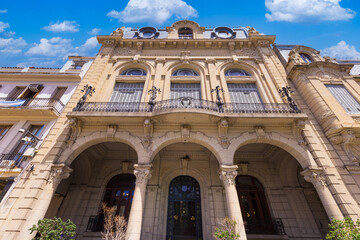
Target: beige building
[(187, 125)]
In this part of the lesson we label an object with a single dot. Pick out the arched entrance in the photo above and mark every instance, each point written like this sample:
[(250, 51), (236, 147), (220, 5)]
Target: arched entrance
[(184, 209), (253, 203)]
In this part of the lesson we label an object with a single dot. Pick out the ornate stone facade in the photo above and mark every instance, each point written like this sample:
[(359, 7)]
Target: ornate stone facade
[(278, 169)]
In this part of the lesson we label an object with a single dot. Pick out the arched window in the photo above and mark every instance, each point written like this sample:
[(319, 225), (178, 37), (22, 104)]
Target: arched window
[(306, 57), (253, 205), (234, 72), (119, 193), (134, 72), (185, 33), (185, 72)]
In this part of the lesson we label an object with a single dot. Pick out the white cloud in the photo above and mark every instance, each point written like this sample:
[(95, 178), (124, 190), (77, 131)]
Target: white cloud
[(54, 51), (341, 51), (95, 31), (52, 47), (65, 26), (12, 45), (3, 11), (154, 11), (307, 10), (89, 45), (3, 26)]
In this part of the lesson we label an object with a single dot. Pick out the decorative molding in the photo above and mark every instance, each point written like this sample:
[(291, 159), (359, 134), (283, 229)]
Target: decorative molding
[(185, 131), (111, 131), (108, 43), (228, 174), (298, 127), (148, 133), (260, 131), (58, 172), (223, 126), (142, 173), (325, 115), (348, 140), (315, 175), (76, 127), (263, 43)]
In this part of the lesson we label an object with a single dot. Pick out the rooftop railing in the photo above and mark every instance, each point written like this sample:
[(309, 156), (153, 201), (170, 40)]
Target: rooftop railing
[(28, 103), (186, 103)]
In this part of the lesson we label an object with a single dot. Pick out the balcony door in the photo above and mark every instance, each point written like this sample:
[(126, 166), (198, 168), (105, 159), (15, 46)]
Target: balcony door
[(253, 205), (184, 209), (127, 96), (185, 94)]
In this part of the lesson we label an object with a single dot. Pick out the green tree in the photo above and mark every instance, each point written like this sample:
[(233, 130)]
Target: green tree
[(226, 230), (345, 229), (53, 229)]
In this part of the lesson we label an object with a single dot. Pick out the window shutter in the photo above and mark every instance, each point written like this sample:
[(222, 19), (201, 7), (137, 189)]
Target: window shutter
[(244, 93), (346, 100), (127, 92), (179, 90)]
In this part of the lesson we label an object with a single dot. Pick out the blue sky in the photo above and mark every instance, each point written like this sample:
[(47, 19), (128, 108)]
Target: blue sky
[(43, 33)]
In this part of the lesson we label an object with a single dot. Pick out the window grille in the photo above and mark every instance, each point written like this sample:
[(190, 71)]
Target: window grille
[(179, 90), (347, 101), (244, 93), (127, 92)]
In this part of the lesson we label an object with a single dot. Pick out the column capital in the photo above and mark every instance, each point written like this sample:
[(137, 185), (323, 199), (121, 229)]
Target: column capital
[(315, 175), (142, 172), (228, 174)]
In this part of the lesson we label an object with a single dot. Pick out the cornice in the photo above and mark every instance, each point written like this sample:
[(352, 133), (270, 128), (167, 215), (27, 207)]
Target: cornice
[(118, 41)]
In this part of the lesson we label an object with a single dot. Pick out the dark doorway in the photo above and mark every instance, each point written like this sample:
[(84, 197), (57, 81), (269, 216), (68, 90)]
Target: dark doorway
[(184, 210), (118, 195), (253, 205)]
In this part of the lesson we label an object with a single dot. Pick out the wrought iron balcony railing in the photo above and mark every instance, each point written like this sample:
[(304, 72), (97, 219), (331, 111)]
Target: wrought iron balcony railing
[(186, 103), (29, 103), (11, 160), (276, 226)]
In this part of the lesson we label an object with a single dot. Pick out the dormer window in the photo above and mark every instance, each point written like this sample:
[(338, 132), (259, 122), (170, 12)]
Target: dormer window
[(134, 72), (78, 65), (185, 72), (306, 57), (185, 33), (235, 72)]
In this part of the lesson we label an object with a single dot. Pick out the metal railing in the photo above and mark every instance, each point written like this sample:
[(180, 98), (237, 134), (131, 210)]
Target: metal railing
[(54, 103), (186, 103), (11, 160), (276, 226)]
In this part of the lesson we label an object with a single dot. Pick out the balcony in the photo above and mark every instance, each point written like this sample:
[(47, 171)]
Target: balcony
[(51, 107), (10, 164), (186, 108)]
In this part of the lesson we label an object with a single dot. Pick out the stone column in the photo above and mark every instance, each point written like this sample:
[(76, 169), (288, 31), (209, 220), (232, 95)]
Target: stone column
[(228, 175), (317, 178), (143, 174)]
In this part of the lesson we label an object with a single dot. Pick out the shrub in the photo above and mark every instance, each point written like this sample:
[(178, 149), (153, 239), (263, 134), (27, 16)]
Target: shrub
[(344, 229), (53, 229), (226, 230), (114, 225)]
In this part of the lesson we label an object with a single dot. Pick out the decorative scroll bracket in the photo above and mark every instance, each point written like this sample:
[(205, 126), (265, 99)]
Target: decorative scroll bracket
[(223, 126), (58, 172), (297, 129), (148, 132), (315, 175), (76, 127)]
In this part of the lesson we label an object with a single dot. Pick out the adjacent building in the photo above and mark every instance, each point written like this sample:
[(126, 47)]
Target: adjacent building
[(177, 128)]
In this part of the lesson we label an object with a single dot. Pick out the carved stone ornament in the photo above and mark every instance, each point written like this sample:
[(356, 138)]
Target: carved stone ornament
[(223, 133), (139, 46), (260, 132), (108, 43), (148, 132), (349, 143), (252, 31), (118, 32), (185, 131), (75, 131), (263, 43), (185, 57), (228, 174), (142, 173), (58, 172), (297, 128), (315, 175), (111, 131)]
